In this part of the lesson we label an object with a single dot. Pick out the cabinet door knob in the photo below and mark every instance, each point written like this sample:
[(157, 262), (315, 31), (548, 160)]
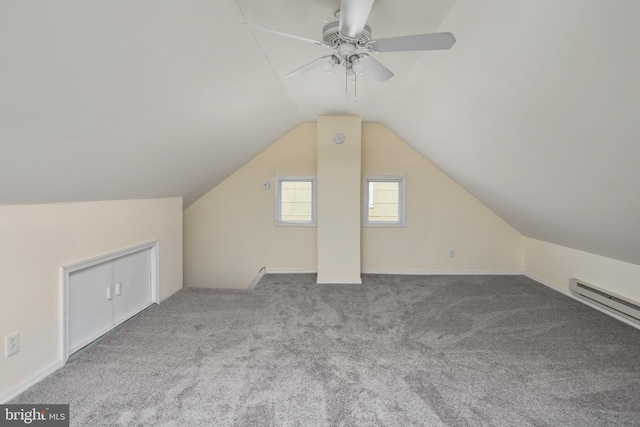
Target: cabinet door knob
[(109, 292), (118, 288)]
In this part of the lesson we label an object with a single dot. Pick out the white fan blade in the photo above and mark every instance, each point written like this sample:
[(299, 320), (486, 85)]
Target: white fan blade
[(372, 67), (353, 17), (435, 41), (280, 33), (310, 66)]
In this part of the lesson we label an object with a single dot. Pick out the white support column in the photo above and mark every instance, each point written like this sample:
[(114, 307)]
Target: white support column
[(339, 200)]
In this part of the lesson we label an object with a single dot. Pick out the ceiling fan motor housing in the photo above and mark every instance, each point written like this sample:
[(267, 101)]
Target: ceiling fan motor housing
[(331, 35)]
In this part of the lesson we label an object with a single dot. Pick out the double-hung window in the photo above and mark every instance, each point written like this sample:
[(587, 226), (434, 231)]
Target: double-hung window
[(296, 201), (384, 201)]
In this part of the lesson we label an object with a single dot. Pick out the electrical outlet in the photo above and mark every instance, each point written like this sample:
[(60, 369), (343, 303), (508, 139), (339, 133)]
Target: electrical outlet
[(452, 252), (12, 344)]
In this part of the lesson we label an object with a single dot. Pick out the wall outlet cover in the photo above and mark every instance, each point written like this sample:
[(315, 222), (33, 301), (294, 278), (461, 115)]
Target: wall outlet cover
[(12, 344)]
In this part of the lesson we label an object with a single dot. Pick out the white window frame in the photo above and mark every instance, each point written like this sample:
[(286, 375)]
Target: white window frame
[(278, 206), (402, 201)]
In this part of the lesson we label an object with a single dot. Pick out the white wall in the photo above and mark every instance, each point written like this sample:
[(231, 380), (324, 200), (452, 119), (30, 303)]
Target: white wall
[(230, 232), (554, 265), (37, 240), (441, 215)]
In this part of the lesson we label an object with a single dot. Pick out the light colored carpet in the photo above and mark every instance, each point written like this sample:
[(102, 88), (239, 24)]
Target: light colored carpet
[(394, 351)]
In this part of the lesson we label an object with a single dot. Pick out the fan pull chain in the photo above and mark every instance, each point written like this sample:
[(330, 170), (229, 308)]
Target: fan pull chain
[(355, 88), (346, 83)]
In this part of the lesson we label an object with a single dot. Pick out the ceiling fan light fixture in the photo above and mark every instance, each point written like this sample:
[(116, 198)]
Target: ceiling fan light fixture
[(327, 67), (358, 66)]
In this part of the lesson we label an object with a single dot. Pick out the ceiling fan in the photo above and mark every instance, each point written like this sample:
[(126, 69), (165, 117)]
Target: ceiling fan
[(350, 36)]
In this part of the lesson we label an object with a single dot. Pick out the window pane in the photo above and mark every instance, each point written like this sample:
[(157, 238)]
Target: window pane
[(383, 201), (296, 201)]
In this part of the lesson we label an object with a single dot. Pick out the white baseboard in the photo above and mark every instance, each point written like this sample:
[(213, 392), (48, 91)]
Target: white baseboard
[(568, 293), (349, 281), (445, 272), (291, 271), (548, 284), (406, 272), (23, 386)]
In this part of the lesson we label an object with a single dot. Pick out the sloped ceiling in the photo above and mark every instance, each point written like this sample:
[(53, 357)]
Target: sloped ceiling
[(534, 110)]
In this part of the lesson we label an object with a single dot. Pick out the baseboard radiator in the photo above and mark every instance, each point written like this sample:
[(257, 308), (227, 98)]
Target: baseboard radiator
[(605, 299)]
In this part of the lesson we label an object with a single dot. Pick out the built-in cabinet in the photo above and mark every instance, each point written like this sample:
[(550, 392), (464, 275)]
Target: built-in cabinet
[(103, 293)]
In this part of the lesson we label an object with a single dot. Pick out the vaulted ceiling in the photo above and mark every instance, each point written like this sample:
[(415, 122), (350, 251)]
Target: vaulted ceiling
[(534, 110)]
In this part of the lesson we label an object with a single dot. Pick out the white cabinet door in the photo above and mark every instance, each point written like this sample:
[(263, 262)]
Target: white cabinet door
[(90, 309), (106, 294), (132, 284)]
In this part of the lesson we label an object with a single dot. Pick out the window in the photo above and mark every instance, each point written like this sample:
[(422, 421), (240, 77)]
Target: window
[(296, 201), (384, 201)]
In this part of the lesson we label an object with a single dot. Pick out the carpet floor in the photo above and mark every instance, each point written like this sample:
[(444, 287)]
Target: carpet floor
[(394, 351)]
